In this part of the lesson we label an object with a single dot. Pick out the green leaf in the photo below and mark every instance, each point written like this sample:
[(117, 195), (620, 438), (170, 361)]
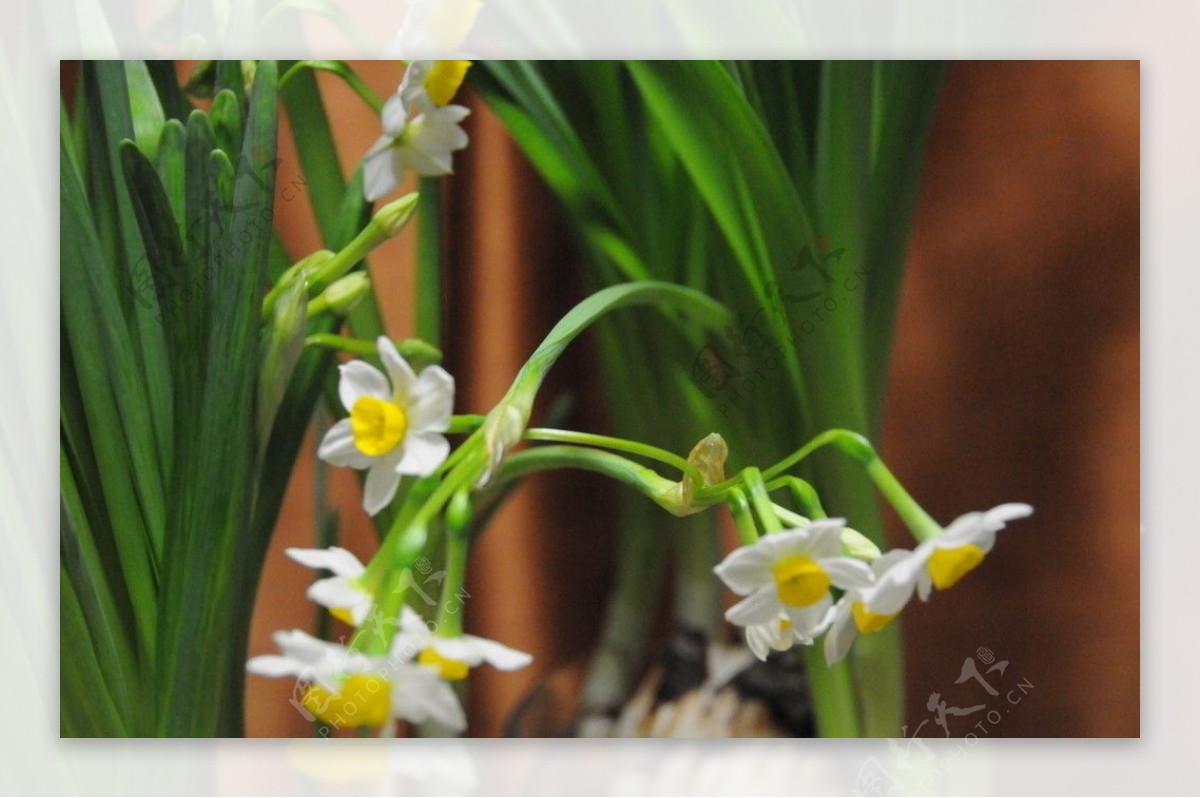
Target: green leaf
[(145, 108), (736, 169), (317, 151), (210, 573), (88, 709), (226, 116), (118, 422)]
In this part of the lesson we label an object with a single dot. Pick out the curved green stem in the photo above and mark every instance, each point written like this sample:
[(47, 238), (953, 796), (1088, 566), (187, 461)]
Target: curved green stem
[(409, 348), (618, 445), (458, 518), (657, 488), (761, 500), (804, 494), (739, 508), (342, 70)]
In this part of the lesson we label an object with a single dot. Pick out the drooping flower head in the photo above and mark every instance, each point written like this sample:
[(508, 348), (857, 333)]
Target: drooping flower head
[(852, 615), (941, 561), (424, 143), (347, 688), (395, 425), (343, 593), (453, 657), (778, 634), (790, 573)]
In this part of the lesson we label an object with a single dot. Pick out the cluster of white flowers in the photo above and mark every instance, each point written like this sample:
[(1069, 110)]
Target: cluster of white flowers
[(421, 129), (345, 688), (787, 580), (395, 427)]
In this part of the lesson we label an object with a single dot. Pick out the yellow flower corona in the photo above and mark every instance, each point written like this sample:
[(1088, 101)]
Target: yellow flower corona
[(947, 566), (378, 426), (444, 80), (800, 581), (451, 670), (868, 621), (364, 700)]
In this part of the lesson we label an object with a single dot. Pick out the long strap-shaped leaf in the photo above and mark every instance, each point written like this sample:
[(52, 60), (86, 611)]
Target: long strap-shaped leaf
[(203, 580)]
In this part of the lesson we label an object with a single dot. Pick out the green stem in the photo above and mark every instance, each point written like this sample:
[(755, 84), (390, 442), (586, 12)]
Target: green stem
[(788, 517), (458, 517), (834, 702), (544, 458), (739, 508), (804, 494), (342, 70), (409, 348), (914, 517), (618, 445), (429, 262), (761, 500), (387, 222)]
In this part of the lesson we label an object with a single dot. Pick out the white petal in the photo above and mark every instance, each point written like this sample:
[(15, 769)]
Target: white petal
[(334, 559), (380, 487), (399, 372), (1008, 512), (893, 588), (423, 452), (810, 621), (502, 657), (337, 592), (358, 379), (382, 172), (419, 695), (826, 537), (924, 585), (885, 562), (338, 448), (394, 115), (746, 569), (842, 633), (432, 401), (474, 650), (411, 621), (757, 637), (273, 665), (300, 646), (759, 607), (412, 85), (847, 572)]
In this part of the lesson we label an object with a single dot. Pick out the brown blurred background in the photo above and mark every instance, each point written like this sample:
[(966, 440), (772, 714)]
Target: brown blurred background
[(1015, 378)]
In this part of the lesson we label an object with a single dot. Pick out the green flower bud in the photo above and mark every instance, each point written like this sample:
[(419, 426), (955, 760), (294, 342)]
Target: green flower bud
[(341, 297)]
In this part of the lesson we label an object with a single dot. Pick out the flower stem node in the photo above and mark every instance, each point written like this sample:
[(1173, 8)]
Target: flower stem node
[(708, 456)]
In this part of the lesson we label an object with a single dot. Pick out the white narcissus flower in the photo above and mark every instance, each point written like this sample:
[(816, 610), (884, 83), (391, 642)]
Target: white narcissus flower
[(308, 658), (349, 688), (453, 657), (425, 143), (851, 614), (942, 561), (776, 635), (395, 425), (790, 573), (342, 593)]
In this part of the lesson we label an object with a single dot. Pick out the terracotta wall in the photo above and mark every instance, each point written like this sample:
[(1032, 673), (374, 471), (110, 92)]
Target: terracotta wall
[(1015, 378)]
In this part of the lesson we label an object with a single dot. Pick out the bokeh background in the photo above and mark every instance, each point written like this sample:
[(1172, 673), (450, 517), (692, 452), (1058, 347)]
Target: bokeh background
[(1015, 378)]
